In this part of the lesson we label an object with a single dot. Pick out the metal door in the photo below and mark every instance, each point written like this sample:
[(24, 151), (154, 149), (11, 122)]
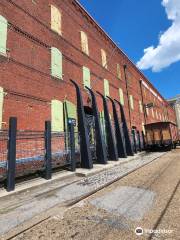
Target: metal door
[(90, 121)]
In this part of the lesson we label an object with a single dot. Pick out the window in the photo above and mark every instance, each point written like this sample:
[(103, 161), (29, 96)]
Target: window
[(147, 111), (84, 43), (152, 112), (56, 63), (70, 112), (131, 102), (121, 96), (156, 114), (140, 107), (143, 129), (160, 116), (1, 105), (106, 87), (118, 71), (86, 77), (55, 20), (3, 35), (104, 58), (57, 117)]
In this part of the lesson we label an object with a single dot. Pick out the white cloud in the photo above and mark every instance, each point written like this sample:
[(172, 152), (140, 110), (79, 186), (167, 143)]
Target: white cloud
[(168, 49)]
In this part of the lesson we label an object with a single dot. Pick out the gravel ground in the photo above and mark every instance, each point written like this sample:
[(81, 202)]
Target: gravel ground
[(90, 221), (15, 212)]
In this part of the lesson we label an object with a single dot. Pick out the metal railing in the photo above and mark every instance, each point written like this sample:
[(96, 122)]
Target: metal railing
[(25, 152), (3, 153)]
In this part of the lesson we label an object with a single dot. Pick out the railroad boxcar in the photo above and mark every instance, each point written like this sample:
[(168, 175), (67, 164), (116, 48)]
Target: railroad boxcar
[(161, 135)]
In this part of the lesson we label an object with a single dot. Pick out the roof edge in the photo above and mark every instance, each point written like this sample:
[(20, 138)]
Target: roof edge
[(133, 64)]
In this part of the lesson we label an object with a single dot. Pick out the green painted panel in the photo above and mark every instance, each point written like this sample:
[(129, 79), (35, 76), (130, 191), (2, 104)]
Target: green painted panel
[(70, 112), (1, 105), (57, 116), (86, 77), (131, 102), (56, 63), (121, 96), (3, 34), (106, 87)]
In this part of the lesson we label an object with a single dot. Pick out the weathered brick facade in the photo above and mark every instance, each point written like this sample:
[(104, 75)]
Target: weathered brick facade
[(26, 77)]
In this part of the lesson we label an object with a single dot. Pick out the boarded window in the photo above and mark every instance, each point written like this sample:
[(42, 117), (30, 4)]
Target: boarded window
[(140, 107), (84, 43), (86, 77), (106, 87), (160, 116), (157, 114), (56, 63), (128, 77), (118, 71), (3, 35), (147, 111), (70, 111), (55, 20), (152, 110), (104, 58), (1, 105), (121, 96), (57, 117), (143, 128), (131, 102)]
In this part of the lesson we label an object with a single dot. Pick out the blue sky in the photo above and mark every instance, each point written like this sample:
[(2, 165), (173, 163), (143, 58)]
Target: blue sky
[(136, 25)]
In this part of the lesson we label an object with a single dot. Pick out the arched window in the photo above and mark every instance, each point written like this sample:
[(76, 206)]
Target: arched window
[(84, 43), (3, 35), (56, 19), (104, 58), (56, 63)]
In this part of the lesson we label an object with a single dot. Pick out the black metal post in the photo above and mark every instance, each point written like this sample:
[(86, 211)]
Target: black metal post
[(112, 151), (134, 140), (143, 140), (139, 141), (100, 144), (72, 146), (86, 158), (11, 161), (128, 143), (48, 157), (120, 142)]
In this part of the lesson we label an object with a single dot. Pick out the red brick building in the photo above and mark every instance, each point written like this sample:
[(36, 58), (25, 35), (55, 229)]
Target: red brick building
[(44, 44)]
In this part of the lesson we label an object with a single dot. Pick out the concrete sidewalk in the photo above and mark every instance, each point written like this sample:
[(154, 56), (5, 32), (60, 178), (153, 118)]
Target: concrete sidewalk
[(24, 208)]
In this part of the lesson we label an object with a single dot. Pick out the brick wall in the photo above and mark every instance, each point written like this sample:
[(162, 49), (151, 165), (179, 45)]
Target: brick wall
[(25, 75)]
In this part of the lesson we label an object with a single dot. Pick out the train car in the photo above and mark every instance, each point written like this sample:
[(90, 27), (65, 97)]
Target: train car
[(161, 135)]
